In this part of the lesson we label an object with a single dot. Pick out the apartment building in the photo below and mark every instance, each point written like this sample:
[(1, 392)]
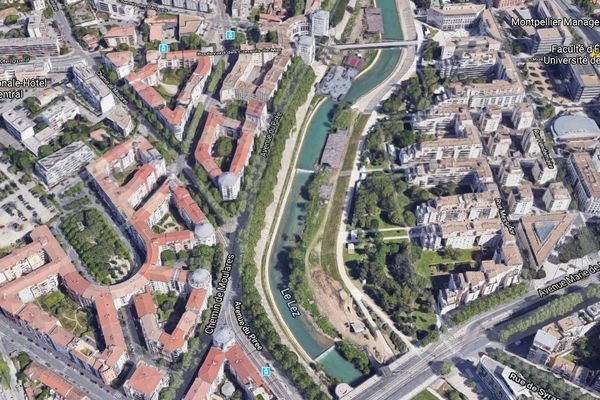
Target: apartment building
[(522, 116), (92, 87), (520, 200), (490, 118), (197, 5), (470, 44), (499, 142), (438, 119), (65, 162), (146, 382), (464, 144), (460, 234), (120, 120), (496, 377), (584, 176), (475, 173), (59, 113), (500, 272), (229, 182), (34, 25), (543, 172), (530, 143), (116, 9), (39, 374), (461, 207), (305, 48), (32, 47), (450, 17), (121, 34), (478, 95), (18, 123), (556, 198), (508, 3), (320, 23), (511, 173), (226, 353), (119, 61)]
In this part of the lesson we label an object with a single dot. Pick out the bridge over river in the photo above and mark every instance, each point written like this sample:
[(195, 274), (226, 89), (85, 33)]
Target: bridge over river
[(379, 45)]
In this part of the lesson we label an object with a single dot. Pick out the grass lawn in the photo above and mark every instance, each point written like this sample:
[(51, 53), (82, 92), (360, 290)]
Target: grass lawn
[(165, 304), (72, 317), (399, 232), (423, 320), (425, 395), (164, 93), (4, 374), (422, 267)]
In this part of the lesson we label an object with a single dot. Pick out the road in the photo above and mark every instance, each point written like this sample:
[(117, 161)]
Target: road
[(589, 35), (93, 387), (468, 340)]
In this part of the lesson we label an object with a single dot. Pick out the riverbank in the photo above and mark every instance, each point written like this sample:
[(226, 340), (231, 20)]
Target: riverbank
[(273, 214)]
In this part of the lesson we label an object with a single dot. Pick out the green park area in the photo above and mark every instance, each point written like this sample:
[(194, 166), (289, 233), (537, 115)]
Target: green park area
[(74, 318), (97, 243), (425, 395)]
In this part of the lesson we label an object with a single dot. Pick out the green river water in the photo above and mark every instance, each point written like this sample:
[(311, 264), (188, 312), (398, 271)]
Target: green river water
[(293, 215)]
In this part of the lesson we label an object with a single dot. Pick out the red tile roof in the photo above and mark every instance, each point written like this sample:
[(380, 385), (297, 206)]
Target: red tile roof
[(144, 304), (242, 153), (185, 202), (120, 31), (120, 58), (37, 372), (146, 379), (196, 300)]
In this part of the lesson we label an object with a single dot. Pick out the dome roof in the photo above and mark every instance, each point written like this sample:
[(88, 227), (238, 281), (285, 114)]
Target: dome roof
[(228, 389), (575, 127), (228, 179), (199, 279), (204, 230), (223, 336)]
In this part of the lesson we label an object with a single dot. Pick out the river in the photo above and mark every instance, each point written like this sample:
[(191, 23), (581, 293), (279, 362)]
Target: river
[(318, 347)]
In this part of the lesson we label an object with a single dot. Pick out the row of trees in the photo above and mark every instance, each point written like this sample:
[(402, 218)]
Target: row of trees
[(250, 233), (540, 378), (550, 311), (489, 302)]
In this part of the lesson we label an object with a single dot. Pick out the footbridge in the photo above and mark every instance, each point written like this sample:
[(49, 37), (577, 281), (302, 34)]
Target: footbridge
[(377, 45)]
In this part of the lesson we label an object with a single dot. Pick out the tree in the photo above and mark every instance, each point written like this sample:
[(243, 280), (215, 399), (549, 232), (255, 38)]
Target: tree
[(446, 368), (548, 111), (11, 19), (223, 146), (48, 12)]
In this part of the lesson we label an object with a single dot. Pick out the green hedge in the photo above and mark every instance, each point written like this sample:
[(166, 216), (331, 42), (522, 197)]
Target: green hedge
[(489, 302)]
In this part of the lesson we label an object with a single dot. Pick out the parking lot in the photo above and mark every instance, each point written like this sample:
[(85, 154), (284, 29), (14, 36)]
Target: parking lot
[(20, 210)]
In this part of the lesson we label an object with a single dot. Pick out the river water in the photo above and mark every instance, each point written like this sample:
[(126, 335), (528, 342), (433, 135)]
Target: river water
[(317, 346)]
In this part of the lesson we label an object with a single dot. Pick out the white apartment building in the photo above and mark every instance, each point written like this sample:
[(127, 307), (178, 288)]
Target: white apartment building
[(320, 23), (530, 144), (92, 88), (57, 114), (542, 172), (584, 176), (38, 5), (520, 200), (511, 173), (556, 198), (18, 123), (522, 116), (65, 162), (120, 61), (462, 207), (490, 119), (116, 9), (451, 17), (499, 143), (198, 5), (465, 144), (34, 25), (306, 49)]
